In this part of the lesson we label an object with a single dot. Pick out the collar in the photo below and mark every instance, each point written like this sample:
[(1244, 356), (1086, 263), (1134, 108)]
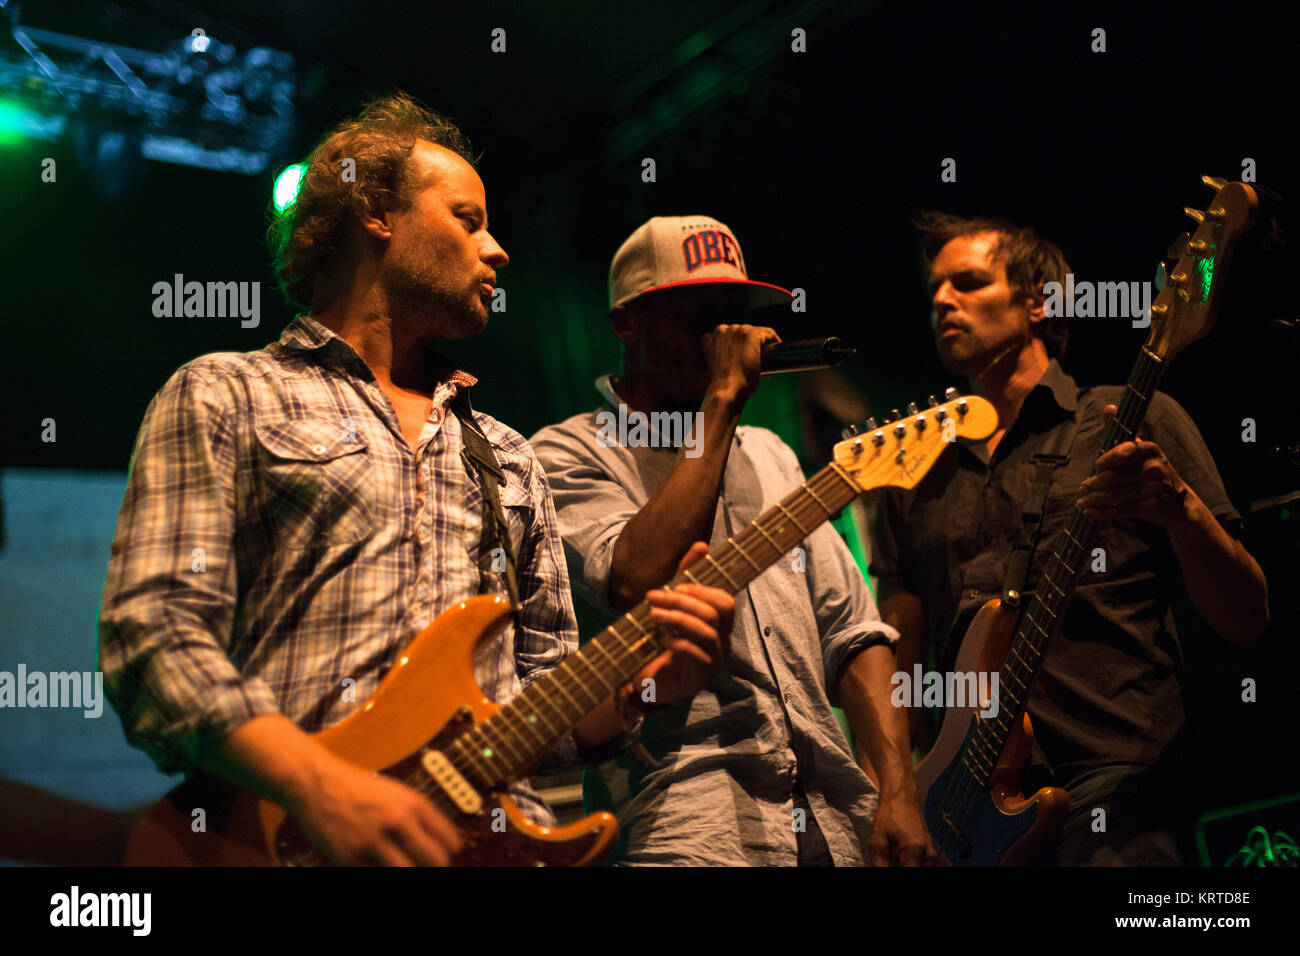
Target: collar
[(607, 391), (605, 387), (1060, 386), (308, 335)]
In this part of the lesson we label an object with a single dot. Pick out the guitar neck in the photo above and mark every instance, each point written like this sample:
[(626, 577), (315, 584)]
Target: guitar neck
[(512, 740), (1069, 554)]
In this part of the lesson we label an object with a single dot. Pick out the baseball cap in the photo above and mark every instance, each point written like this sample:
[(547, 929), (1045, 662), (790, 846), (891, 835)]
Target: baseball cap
[(670, 252)]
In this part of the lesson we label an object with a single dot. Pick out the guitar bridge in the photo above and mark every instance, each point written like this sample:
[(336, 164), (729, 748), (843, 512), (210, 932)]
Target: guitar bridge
[(456, 787)]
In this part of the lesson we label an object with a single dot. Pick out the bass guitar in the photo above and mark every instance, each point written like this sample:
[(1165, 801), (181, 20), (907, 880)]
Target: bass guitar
[(430, 725), (969, 782)]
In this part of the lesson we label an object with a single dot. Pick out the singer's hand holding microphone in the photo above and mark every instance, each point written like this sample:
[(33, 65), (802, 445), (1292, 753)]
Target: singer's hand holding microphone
[(734, 354), (739, 354)]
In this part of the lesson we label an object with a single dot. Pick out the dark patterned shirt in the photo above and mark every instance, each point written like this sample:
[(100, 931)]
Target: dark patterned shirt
[(1109, 689)]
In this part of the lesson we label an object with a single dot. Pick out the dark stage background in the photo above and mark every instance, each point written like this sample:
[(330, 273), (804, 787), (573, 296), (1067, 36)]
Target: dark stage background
[(818, 160)]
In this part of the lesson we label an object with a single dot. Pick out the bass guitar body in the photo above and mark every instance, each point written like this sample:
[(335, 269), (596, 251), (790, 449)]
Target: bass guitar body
[(425, 702), (997, 825)]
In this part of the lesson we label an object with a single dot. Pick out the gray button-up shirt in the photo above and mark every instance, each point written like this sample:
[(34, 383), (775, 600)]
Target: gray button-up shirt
[(725, 763)]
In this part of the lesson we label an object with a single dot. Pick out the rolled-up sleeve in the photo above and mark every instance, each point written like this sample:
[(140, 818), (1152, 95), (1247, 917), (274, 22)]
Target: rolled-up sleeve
[(847, 617), (169, 597)]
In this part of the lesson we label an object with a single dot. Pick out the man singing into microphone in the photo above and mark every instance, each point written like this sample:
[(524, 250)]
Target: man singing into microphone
[(755, 770)]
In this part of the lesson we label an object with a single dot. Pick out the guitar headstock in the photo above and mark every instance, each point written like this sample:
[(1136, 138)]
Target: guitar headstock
[(898, 453), (1185, 309)]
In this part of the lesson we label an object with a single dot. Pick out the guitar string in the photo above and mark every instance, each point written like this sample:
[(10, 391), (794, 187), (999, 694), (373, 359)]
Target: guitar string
[(964, 787), (729, 565), (806, 503)]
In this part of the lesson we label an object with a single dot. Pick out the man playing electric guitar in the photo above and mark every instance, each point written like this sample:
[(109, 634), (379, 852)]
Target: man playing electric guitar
[(1106, 705), (294, 516)]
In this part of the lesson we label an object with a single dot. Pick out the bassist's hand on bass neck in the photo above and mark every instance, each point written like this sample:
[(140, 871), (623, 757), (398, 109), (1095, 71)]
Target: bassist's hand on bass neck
[(1226, 584)]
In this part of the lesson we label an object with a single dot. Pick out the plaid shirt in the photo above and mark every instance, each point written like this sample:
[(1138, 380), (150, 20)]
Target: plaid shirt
[(278, 538)]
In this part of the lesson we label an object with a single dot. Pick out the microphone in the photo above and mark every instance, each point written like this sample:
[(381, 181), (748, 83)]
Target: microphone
[(805, 355)]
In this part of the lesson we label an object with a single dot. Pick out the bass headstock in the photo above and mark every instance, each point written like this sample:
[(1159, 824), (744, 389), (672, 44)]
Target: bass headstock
[(1186, 308), (899, 452)]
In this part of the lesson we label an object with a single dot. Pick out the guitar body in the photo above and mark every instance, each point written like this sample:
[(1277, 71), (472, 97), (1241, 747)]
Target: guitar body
[(426, 700), (998, 826)]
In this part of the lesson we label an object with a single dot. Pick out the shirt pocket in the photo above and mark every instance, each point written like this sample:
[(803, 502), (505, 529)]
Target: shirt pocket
[(319, 487)]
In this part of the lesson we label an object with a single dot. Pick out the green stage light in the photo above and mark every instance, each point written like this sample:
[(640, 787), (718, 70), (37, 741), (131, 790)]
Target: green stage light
[(286, 186), (15, 123)]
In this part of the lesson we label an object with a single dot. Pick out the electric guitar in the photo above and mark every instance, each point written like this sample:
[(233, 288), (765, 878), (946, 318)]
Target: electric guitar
[(969, 782), (430, 726)]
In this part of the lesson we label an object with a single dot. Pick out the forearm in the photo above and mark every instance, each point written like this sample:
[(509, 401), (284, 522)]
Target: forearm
[(600, 726), (902, 611), (271, 756), (881, 728), (1225, 583), (678, 514)]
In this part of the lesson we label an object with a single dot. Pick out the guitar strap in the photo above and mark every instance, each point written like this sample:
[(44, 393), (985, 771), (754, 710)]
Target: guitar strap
[(1054, 453), (496, 533)]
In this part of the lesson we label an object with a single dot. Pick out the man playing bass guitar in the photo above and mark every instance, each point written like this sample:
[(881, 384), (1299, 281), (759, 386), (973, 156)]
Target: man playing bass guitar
[(1106, 705)]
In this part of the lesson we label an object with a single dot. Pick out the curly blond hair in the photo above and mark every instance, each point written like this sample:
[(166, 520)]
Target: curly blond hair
[(306, 237)]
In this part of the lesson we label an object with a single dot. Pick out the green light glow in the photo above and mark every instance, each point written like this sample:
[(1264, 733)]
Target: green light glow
[(1263, 850), (1205, 272), (15, 122), (286, 185), (487, 751)]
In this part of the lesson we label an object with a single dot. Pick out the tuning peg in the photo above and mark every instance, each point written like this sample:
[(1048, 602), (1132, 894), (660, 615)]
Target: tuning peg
[(1194, 213), (949, 393), (900, 430), (871, 424), (895, 414), (849, 431), (911, 408), (1199, 249), (1178, 246), (1161, 276), (931, 401), (1214, 182)]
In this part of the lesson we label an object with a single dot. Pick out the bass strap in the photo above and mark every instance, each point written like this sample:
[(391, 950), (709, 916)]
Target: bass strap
[(494, 545), (1054, 453)]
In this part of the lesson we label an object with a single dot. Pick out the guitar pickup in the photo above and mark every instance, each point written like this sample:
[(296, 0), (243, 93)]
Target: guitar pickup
[(460, 791)]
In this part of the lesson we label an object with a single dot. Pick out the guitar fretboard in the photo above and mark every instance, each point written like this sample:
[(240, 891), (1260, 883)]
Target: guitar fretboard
[(1043, 611), (513, 739)]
